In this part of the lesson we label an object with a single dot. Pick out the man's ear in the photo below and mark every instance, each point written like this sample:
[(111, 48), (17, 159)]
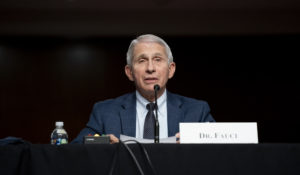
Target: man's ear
[(172, 68), (128, 72)]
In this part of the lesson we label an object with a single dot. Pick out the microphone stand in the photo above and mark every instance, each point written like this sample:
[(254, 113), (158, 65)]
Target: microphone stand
[(156, 127)]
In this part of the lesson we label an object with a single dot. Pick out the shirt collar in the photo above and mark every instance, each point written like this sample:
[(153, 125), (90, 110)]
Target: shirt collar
[(160, 101)]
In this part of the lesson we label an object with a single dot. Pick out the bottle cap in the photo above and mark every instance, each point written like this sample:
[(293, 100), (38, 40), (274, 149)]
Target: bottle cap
[(59, 123)]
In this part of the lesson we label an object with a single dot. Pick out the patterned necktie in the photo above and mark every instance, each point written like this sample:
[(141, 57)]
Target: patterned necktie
[(149, 122)]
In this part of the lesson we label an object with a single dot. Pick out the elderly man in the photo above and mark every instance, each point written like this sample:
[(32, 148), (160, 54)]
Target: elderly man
[(149, 63)]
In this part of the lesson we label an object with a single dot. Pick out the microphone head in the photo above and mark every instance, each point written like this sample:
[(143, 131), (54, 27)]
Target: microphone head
[(156, 87)]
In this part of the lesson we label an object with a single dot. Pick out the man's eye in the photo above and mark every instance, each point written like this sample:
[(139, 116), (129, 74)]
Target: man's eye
[(141, 60), (157, 59)]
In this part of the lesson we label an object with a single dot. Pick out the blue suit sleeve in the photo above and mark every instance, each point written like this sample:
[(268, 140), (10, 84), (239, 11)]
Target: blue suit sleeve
[(206, 115), (94, 126)]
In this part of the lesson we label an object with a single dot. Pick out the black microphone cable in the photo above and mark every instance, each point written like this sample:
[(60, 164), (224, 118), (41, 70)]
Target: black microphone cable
[(133, 157), (156, 125)]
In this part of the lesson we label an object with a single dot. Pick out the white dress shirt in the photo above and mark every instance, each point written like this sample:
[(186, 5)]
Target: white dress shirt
[(141, 112)]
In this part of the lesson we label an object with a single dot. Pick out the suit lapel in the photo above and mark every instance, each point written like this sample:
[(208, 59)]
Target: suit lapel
[(128, 115), (175, 114)]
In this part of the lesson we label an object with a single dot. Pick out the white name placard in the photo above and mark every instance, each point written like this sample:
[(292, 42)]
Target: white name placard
[(218, 132)]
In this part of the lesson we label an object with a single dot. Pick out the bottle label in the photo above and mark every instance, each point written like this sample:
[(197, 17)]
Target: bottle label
[(59, 141)]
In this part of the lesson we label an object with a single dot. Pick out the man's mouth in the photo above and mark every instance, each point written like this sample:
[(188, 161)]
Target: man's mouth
[(150, 80)]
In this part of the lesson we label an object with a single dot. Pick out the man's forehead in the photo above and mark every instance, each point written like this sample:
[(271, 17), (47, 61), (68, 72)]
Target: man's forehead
[(149, 48)]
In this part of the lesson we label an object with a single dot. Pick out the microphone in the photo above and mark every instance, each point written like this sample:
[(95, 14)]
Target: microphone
[(156, 87), (156, 127)]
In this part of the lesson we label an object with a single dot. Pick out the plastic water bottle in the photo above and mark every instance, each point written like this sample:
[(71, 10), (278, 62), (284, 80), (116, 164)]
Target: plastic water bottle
[(59, 135)]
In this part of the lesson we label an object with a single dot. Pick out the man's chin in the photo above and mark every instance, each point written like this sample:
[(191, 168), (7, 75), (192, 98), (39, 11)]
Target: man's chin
[(147, 91)]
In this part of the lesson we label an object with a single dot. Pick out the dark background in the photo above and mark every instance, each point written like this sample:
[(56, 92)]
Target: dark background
[(58, 58)]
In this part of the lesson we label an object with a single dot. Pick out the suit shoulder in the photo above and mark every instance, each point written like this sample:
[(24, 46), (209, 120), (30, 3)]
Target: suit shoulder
[(187, 100), (114, 101)]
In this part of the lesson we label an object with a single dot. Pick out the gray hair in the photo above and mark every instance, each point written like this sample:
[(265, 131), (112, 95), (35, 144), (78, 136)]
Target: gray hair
[(148, 38)]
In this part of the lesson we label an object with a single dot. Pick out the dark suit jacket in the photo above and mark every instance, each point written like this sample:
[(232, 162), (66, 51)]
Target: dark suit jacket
[(118, 116)]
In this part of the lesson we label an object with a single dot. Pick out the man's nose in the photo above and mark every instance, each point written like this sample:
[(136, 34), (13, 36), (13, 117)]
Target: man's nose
[(150, 67)]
